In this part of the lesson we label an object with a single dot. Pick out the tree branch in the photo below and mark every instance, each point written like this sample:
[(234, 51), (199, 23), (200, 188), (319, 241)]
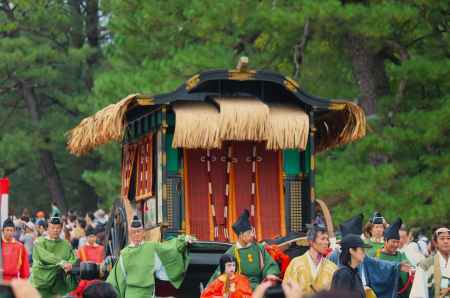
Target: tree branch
[(299, 50), (50, 37), (63, 107), (9, 12), (434, 33), (239, 47), (396, 47), (14, 109), (10, 171), (6, 8)]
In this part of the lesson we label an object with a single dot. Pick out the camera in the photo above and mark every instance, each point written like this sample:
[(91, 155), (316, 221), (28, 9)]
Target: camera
[(91, 270), (6, 291)]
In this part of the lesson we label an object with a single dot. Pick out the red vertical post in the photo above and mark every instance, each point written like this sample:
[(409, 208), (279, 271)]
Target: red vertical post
[(4, 196)]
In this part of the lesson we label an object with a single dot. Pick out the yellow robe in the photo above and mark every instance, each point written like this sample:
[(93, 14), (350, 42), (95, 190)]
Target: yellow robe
[(300, 272)]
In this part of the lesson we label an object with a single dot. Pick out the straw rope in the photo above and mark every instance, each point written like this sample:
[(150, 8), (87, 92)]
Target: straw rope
[(242, 118), (204, 125), (340, 127), (197, 125), (288, 127), (104, 126)]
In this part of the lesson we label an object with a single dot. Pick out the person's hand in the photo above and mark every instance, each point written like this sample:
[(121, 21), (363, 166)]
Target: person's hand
[(292, 290), (261, 289), (405, 267), (67, 267), (444, 292), (190, 239), (23, 289), (272, 277)]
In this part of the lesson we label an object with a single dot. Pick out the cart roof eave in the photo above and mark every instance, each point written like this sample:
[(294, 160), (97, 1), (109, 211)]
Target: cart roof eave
[(337, 122)]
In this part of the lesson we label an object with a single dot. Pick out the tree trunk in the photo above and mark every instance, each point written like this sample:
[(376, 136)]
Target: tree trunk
[(76, 33), (368, 70), (47, 162), (92, 34)]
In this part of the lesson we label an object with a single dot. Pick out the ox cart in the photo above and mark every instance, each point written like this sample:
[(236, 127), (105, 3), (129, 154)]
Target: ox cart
[(224, 141)]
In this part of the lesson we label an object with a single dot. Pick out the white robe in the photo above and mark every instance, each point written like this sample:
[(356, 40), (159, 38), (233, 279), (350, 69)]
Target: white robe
[(413, 253), (420, 285)]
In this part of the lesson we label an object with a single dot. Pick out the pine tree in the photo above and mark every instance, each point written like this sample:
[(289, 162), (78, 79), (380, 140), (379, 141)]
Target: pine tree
[(390, 56), (42, 79)]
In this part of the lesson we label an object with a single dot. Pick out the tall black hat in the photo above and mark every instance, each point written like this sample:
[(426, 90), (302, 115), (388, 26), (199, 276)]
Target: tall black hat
[(90, 231), (391, 232), (136, 223), (226, 258), (243, 223), (55, 220), (353, 241), (8, 223), (352, 226), (377, 218), (313, 229)]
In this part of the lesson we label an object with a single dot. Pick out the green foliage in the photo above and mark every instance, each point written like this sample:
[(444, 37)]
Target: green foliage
[(401, 168), (392, 169), (36, 54)]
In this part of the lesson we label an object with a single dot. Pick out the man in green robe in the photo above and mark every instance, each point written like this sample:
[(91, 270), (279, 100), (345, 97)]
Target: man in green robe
[(376, 240), (133, 275), (253, 260), (390, 252), (53, 259)]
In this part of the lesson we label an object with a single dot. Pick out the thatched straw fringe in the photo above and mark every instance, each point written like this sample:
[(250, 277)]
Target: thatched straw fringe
[(340, 127), (242, 118), (288, 127), (355, 128), (106, 125), (197, 125)]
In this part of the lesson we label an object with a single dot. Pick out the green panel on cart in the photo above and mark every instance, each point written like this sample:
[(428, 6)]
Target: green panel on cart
[(172, 155), (291, 162)]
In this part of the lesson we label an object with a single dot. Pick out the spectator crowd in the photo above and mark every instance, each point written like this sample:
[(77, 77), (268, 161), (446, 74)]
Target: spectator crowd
[(379, 259), (29, 226)]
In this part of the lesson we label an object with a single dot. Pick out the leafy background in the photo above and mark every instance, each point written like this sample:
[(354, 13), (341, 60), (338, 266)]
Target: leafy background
[(74, 57)]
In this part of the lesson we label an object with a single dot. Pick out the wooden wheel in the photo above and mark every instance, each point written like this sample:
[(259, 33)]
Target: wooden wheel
[(327, 217), (116, 236)]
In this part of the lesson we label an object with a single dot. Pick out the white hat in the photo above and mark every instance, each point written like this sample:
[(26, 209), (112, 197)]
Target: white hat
[(30, 225), (100, 216), (99, 213)]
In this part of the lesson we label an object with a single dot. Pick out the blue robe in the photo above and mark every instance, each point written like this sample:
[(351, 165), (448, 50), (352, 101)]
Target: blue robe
[(381, 276)]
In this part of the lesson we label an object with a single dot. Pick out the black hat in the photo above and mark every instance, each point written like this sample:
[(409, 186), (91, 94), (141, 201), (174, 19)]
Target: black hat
[(377, 218), (313, 229), (90, 231), (391, 232), (55, 220), (8, 223), (352, 226), (353, 241), (226, 258), (242, 224), (136, 223)]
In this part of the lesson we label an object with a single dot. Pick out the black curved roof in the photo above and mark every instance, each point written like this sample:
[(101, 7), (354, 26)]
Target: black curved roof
[(266, 85)]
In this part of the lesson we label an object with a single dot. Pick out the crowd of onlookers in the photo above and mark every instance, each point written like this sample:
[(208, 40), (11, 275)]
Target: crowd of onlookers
[(78, 230), (30, 226)]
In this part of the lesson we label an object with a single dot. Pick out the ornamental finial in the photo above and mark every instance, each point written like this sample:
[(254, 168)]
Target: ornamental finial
[(242, 64)]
